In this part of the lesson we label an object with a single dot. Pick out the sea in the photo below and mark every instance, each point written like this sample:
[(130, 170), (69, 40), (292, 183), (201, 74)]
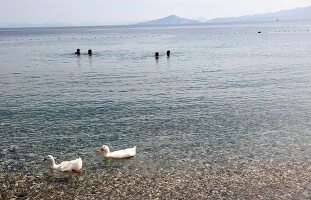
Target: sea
[(230, 95)]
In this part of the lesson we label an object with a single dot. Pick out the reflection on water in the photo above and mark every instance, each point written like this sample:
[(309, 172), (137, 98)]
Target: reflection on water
[(78, 61), (90, 61)]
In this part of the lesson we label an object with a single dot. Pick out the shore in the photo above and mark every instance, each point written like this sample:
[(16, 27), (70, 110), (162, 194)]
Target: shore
[(119, 183)]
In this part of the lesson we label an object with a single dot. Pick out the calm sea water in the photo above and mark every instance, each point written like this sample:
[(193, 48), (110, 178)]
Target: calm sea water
[(227, 96)]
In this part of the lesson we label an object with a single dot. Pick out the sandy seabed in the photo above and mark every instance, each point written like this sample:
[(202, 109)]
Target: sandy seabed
[(119, 183)]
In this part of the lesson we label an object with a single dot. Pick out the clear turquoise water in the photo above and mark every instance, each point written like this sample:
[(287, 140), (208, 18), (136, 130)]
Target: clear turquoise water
[(227, 97)]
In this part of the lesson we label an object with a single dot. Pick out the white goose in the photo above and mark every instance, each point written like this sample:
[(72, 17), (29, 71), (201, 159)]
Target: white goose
[(72, 165), (125, 153)]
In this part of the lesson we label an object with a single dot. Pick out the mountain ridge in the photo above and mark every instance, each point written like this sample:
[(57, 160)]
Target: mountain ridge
[(169, 20), (300, 13)]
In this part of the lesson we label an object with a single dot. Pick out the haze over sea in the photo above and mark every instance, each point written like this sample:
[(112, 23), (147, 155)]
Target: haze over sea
[(227, 97)]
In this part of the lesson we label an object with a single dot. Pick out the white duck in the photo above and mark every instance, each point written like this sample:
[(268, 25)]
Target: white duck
[(72, 165), (125, 153)]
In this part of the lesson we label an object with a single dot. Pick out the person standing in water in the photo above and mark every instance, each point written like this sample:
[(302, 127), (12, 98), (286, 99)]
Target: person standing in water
[(156, 55), (168, 53), (77, 52)]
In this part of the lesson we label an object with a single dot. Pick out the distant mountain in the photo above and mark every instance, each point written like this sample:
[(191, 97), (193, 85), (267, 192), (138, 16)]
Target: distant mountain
[(28, 25), (170, 20), (293, 14)]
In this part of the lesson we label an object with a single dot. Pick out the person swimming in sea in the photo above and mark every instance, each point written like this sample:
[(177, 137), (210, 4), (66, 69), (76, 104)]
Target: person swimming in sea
[(77, 52)]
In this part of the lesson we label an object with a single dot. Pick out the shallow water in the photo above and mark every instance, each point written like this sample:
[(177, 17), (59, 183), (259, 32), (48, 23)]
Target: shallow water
[(227, 96)]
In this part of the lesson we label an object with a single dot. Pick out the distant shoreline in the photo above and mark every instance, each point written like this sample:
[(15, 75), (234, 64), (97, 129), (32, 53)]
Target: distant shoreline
[(163, 25)]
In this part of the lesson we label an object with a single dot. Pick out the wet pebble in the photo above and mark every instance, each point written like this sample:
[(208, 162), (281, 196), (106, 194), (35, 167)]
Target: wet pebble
[(21, 195)]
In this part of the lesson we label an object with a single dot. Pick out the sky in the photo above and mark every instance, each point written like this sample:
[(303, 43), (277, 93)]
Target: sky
[(127, 11)]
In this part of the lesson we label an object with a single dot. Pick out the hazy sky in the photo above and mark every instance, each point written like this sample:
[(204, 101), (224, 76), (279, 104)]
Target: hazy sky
[(114, 11)]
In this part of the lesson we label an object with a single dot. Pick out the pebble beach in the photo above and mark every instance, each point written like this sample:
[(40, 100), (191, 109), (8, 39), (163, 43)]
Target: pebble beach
[(248, 183)]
